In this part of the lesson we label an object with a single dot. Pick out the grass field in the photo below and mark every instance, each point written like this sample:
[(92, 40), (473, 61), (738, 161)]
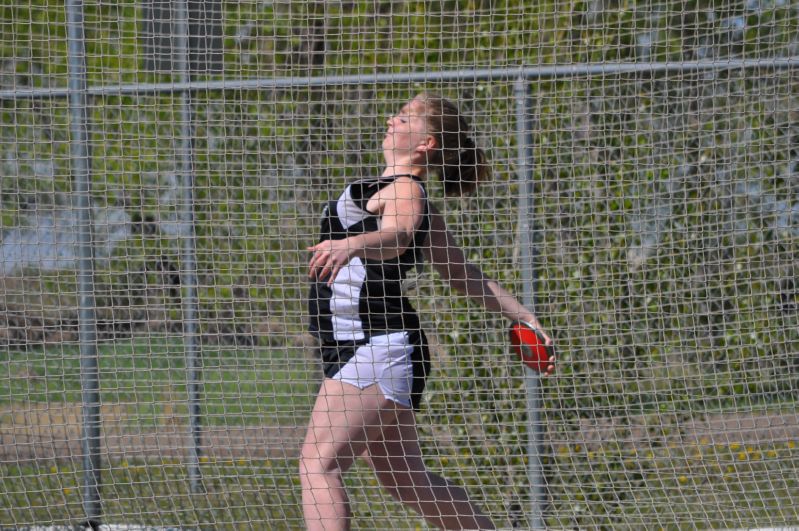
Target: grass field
[(143, 389), (679, 488), (245, 386), (262, 494)]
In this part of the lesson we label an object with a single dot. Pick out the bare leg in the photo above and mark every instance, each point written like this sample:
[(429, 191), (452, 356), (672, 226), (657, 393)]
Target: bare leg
[(396, 459), (344, 419)]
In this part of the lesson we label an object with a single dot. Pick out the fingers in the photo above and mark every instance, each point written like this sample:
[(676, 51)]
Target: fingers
[(322, 268), (550, 344), (323, 263), (319, 264), (547, 339), (317, 260), (329, 272), (551, 367), (324, 272)]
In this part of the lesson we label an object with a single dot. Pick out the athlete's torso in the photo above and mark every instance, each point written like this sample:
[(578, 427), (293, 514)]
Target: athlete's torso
[(365, 298)]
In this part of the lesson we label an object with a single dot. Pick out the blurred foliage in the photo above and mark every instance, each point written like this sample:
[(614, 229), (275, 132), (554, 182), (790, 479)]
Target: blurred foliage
[(665, 206)]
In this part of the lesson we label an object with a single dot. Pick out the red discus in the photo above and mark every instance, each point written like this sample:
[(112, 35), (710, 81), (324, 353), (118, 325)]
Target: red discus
[(529, 344)]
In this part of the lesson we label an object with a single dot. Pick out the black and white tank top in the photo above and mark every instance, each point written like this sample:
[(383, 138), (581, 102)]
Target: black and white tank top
[(366, 297)]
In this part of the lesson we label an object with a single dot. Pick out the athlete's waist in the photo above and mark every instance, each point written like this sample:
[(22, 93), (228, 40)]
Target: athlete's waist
[(330, 340)]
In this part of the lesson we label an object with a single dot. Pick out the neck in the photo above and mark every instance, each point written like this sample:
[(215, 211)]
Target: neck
[(404, 169)]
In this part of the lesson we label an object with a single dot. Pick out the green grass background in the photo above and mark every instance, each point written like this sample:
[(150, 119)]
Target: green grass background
[(239, 387)]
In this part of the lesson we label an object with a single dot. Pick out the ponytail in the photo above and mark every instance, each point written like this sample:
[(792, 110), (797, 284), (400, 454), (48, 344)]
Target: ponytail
[(459, 163), (462, 170)]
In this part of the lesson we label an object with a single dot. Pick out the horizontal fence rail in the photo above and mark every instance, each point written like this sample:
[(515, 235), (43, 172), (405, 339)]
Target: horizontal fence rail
[(528, 72)]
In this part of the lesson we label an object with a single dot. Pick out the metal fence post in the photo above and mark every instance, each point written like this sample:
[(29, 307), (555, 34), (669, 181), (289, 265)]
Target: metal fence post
[(189, 251), (526, 227), (81, 172)]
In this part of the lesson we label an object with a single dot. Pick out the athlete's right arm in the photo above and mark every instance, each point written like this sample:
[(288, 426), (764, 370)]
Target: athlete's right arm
[(401, 210)]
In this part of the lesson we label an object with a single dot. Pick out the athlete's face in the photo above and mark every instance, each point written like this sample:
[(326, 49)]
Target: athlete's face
[(407, 136)]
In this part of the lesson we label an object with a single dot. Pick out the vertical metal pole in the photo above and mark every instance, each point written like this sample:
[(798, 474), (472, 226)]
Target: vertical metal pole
[(524, 143), (189, 251), (81, 170)]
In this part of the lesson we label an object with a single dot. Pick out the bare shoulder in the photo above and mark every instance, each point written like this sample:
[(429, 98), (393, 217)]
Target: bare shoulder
[(403, 189)]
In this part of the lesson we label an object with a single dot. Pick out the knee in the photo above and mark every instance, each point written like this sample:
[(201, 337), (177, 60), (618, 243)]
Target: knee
[(310, 459)]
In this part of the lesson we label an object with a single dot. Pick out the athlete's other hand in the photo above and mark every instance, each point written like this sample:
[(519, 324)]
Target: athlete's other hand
[(327, 259)]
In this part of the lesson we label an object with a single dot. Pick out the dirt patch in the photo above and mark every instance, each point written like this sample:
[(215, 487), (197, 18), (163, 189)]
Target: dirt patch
[(53, 431), (745, 428)]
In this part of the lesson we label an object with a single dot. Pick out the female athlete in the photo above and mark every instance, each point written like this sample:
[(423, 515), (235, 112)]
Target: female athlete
[(374, 354)]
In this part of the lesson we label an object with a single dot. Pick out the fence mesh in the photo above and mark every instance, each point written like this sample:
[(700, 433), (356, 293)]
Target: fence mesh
[(665, 227)]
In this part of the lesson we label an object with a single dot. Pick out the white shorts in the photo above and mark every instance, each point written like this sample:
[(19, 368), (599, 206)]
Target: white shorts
[(398, 362)]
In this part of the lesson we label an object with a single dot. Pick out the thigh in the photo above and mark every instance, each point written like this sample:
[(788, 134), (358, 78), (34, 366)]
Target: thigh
[(344, 420), (395, 455)]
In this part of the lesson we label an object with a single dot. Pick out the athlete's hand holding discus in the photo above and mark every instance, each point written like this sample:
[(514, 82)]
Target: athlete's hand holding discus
[(533, 345)]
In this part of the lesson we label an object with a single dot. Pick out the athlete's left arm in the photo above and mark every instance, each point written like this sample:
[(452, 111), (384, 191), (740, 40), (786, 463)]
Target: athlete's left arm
[(401, 211), (449, 260)]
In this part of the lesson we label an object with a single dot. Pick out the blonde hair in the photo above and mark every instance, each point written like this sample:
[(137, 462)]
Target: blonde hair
[(458, 162)]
